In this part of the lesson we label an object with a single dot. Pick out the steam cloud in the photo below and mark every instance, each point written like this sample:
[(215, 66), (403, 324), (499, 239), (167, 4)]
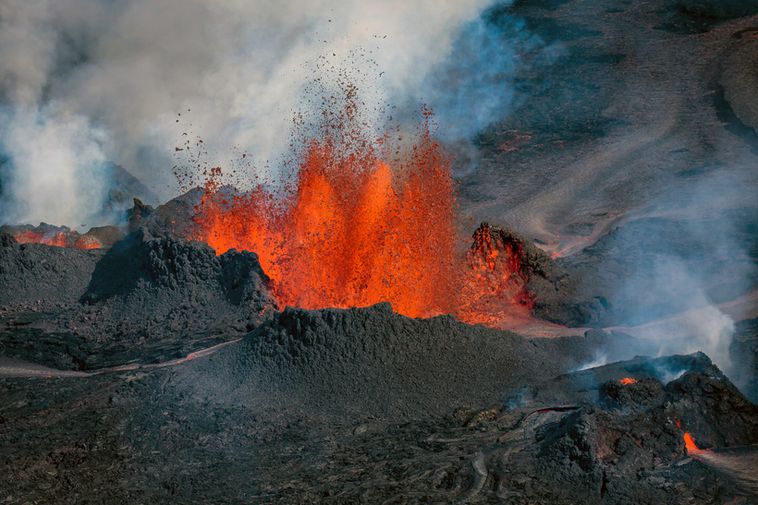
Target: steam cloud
[(696, 261), (85, 82)]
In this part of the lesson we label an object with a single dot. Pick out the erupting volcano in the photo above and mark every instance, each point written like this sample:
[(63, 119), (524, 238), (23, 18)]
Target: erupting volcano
[(355, 229)]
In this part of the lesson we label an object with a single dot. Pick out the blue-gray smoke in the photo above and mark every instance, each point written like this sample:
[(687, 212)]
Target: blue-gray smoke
[(475, 84)]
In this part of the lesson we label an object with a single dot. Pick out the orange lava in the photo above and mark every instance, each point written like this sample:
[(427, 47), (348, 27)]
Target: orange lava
[(689, 442), (492, 285), (354, 230), (628, 380), (690, 445), (87, 242), (57, 239)]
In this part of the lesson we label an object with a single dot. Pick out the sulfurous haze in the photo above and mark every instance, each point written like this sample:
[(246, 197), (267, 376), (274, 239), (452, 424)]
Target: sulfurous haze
[(685, 261), (84, 83)]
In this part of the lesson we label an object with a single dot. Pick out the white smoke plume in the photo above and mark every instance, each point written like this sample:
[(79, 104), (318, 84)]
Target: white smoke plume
[(85, 81), (686, 293), (705, 328), (59, 155)]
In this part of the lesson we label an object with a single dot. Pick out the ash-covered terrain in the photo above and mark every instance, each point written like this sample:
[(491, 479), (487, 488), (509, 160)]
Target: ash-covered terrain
[(138, 366), (156, 371)]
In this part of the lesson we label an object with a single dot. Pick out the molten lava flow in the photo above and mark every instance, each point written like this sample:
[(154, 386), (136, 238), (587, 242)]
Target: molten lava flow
[(690, 445), (87, 242), (69, 238), (627, 380), (355, 230), (32, 237), (689, 442)]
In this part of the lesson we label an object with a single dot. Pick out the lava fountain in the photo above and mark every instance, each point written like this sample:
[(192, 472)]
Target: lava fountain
[(354, 229)]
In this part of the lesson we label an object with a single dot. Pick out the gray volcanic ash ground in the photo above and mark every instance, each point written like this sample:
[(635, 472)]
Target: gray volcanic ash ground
[(138, 366)]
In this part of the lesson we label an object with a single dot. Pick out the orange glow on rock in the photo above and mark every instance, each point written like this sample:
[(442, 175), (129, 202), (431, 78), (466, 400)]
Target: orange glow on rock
[(493, 288), (57, 239), (628, 380), (690, 445), (87, 242), (354, 230), (32, 237)]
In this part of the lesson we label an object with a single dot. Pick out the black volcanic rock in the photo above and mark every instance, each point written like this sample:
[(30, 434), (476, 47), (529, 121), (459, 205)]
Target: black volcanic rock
[(626, 444), (642, 393), (214, 427), (6, 239), (147, 298), (713, 409), (375, 361), (165, 288), (42, 275), (553, 289), (142, 262), (173, 218)]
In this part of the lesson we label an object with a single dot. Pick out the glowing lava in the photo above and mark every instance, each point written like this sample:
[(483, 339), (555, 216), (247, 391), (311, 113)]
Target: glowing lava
[(690, 445), (493, 289), (57, 239), (355, 230), (627, 380), (87, 242), (689, 442)]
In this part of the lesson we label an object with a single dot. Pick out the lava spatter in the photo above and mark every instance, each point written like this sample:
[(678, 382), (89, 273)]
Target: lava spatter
[(355, 229)]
